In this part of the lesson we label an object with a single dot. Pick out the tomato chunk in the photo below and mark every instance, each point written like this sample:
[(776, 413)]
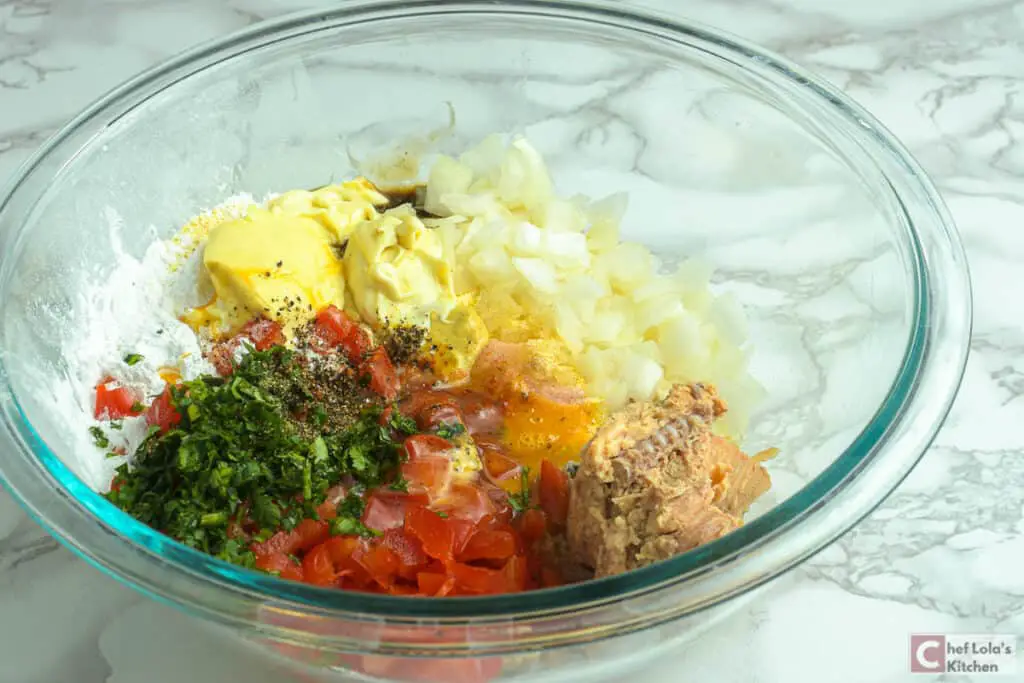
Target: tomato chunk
[(336, 329), (381, 563), (318, 567), (465, 501), (383, 378), (114, 402), (429, 474), (532, 525), (161, 412), (422, 445), (489, 545), (280, 564), (386, 509), (409, 551), (264, 333), (436, 584), (433, 531), (554, 493), (305, 535)]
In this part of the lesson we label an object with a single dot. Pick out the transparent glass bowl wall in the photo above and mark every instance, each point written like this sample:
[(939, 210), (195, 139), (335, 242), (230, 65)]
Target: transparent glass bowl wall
[(847, 265)]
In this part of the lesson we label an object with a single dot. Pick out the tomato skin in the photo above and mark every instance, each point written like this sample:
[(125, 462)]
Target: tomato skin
[(380, 370), (114, 402), (264, 333), (161, 412), (335, 328), (554, 493)]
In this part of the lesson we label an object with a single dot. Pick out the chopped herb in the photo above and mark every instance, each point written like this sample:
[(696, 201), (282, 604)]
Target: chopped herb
[(114, 454), (239, 445), (403, 424), (399, 484), (116, 424), (450, 430), (442, 514), (137, 407), (98, 437), (133, 358), (520, 501), (348, 523), (347, 526)]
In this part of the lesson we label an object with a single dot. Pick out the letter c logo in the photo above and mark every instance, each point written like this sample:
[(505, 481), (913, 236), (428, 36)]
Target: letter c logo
[(922, 648)]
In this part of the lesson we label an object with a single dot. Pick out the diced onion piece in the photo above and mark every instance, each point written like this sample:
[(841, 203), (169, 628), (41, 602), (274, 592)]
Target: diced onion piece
[(447, 177), (538, 273)]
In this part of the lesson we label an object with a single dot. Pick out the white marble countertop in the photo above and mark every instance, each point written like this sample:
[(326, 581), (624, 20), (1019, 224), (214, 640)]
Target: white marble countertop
[(943, 554)]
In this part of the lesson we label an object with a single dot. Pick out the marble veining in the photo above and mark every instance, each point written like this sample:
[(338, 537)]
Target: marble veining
[(942, 554)]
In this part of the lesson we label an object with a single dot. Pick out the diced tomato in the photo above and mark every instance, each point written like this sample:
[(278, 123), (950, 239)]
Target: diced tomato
[(438, 415), (381, 563), (465, 501), (318, 567), (409, 551), (489, 545), (425, 444), (554, 493), (222, 357), (478, 580), (481, 415), (341, 550), (335, 328), (380, 370), (282, 565), (304, 536), (435, 584), (429, 474), (327, 510), (516, 574), (114, 402), (263, 333), (498, 464), (503, 511), (431, 407), (433, 531), (386, 509), (532, 525), (161, 412)]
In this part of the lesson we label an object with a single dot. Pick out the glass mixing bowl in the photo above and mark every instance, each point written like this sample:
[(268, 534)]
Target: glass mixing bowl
[(816, 219)]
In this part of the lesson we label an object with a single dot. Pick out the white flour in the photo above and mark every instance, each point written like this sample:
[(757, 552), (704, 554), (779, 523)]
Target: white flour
[(133, 309)]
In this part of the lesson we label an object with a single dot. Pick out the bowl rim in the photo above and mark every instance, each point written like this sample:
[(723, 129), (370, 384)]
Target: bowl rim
[(881, 434)]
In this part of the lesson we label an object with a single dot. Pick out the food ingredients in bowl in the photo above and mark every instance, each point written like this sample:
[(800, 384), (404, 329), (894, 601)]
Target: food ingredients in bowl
[(470, 387)]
